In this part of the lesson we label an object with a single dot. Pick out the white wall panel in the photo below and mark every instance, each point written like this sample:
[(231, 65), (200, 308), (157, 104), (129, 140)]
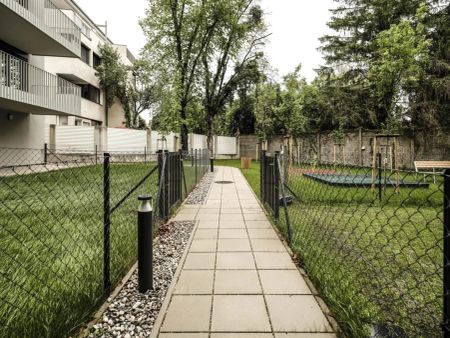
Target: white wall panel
[(126, 140), (226, 145), (74, 138), (197, 141)]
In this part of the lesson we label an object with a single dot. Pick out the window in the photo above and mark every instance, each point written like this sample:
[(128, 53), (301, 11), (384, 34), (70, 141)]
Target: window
[(23, 3), (78, 122), (90, 93), (85, 54), (63, 120), (96, 60), (86, 124)]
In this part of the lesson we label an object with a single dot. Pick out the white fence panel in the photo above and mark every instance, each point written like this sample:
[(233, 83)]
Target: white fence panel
[(171, 141), (226, 145), (198, 141), (74, 138), (126, 140)]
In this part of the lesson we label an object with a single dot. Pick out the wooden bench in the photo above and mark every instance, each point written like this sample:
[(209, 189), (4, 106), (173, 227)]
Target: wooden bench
[(431, 165)]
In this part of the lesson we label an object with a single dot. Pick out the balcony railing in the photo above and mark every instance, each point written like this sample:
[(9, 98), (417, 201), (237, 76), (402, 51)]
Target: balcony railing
[(27, 84), (50, 19)]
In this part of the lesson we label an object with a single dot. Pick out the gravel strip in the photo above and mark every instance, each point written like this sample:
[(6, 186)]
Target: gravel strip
[(200, 193), (132, 314)]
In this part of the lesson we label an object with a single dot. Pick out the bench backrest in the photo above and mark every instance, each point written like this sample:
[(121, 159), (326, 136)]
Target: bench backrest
[(432, 164)]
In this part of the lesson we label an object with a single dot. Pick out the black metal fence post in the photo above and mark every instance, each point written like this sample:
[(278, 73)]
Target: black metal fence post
[(162, 184), (283, 194), (195, 164), (276, 183), (183, 176), (145, 244), (166, 184), (45, 153), (262, 177), (446, 324), (96, 154), (380, 175), (106, 223)]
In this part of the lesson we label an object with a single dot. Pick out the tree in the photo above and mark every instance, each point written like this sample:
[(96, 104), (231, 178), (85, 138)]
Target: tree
[(178, 31), (112, 75), (291, 108), (400, 62), (353, 48), (232, 56), (139, 95), (268, 100), (429, 101)]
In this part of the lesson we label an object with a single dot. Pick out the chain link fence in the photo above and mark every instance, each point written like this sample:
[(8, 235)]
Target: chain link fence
[(374, 241), (68, 229)]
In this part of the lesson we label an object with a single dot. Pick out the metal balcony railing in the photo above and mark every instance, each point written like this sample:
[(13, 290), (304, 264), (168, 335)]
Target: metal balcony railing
[(50, 19), (27, 84)]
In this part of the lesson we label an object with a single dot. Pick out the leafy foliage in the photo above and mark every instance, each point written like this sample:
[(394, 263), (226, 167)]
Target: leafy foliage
[(112, 75)]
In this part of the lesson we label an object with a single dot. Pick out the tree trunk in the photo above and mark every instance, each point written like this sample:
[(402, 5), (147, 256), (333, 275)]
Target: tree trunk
[(210, 134), (184, 129)]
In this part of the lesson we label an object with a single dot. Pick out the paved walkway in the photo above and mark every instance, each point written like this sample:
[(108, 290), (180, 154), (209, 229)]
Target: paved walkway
[(237, 279)]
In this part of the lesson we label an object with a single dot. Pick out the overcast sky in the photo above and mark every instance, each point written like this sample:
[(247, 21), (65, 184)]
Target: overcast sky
[(295, 25)]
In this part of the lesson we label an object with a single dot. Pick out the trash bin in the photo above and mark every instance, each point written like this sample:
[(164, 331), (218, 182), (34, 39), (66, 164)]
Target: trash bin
[(245, 162)]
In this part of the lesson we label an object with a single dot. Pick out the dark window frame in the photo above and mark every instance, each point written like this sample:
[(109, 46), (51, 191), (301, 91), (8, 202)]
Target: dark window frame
[(85, 54), (96, 60), (91, 93)]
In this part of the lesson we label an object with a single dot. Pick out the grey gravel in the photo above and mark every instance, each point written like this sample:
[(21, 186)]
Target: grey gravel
[(200, 193), (132, 314)]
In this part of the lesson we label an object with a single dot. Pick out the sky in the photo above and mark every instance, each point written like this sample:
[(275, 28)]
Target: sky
[(296, 26)]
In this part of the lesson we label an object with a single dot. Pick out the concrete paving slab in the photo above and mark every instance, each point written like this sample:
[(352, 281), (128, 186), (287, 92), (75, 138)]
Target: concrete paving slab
[(296, 314), (235, 261), (237, 282), (239, 314), (195, 282), (283, 282), (234, 245), (188, 313)]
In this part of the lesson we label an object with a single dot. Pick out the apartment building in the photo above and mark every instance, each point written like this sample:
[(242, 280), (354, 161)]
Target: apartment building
[(81, 71), (48, 54)]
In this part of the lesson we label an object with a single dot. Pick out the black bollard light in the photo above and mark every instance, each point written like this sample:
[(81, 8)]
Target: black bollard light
[(145, 244), (211, 163)]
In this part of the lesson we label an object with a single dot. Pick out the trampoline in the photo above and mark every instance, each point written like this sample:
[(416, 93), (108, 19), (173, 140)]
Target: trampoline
[(360, 181)]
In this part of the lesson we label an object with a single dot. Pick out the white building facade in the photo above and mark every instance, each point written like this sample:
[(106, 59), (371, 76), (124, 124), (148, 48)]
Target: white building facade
[(48, 53)]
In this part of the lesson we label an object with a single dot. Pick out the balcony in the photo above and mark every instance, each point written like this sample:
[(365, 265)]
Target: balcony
[(28, 89), (39, 27)]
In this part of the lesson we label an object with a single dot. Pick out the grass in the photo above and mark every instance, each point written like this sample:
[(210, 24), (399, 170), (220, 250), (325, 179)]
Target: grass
[(373, 261), (51, 245)]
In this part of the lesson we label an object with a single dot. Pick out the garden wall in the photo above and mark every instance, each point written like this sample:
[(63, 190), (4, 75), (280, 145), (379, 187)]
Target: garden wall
[(357, 147)]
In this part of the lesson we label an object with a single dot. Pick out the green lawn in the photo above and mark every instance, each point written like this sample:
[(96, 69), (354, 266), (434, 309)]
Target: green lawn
[(373, 261), (51, 245)]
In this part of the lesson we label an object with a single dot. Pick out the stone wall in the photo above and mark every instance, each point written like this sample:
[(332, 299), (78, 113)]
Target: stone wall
[(356, 148)]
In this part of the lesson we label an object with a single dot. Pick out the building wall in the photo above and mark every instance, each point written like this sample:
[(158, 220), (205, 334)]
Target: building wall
[(116, 115), (23, 131), (249, 146)]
